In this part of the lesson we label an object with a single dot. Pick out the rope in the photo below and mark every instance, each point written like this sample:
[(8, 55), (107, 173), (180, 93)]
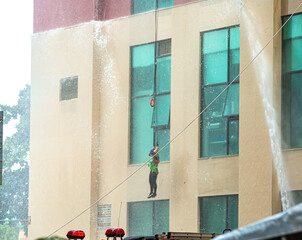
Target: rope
[(155, 140), (102, 197)]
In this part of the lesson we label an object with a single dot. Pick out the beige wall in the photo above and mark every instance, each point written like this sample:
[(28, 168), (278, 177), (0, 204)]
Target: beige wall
[(90, 135), (61, 131)]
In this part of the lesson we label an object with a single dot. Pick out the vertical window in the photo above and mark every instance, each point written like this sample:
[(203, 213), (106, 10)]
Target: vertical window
[(219, 66), (148, 218), (218, 213), (292, 82), (68, 88), (139, 6), (150, 125)]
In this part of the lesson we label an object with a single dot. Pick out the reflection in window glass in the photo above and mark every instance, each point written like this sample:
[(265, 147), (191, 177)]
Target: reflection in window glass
[(139, 6), (231, 106), (218, 213), (233, 137), (165, 3), (141, 131), (163, 139), (292, 83), (148, 218), (143, 70), (163, 74), (220, 65)]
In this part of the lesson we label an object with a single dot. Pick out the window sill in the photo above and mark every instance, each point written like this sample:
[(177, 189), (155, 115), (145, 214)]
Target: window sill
[(218, 157), (140, 164), (291, 149)]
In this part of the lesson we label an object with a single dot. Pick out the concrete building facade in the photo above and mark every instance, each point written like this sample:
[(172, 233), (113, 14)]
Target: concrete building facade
[(85, 113)]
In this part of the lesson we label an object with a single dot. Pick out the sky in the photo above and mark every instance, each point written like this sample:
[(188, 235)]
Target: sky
[(16, 28)]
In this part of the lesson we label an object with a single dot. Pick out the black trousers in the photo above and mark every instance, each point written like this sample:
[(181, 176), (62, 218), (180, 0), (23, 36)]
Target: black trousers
[(152, 181)]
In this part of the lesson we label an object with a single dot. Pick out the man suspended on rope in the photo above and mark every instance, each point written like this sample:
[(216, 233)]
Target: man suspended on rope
[(153, 164)]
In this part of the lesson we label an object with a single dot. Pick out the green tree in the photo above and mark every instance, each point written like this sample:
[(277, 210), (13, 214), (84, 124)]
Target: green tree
[(14, 189), (8, 233)]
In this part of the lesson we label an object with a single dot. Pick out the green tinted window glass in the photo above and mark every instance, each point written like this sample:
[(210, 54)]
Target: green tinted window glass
[(234, 137), (142, 70), (297, 196), (143, 5), (218, 213), (213, 214), (293, 54), (234, 65), (232, 101), (163, 139), (165, 3), (214, 127), (214, 137), (293, 27), (140, 216), (234, 38), (215, 41), (161, 113), (141, 131), (163, 75), (210, 93), (215, 46), (215, 68), (286, 116), (161, 217), (232, 217), (296, 110), (148, 218)]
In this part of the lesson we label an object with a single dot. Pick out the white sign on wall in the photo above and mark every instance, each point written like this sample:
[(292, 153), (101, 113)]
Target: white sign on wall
[(104, 217)]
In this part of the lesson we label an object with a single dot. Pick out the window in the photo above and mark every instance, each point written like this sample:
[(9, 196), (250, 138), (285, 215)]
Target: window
[(139, 6), (218, 213), (148, 218), (296, 196), (150, 125), (69, 88), (292, 83), (219, 66)]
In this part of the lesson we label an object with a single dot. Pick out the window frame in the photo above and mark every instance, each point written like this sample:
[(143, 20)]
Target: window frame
[(204, 86), (156, 7), (154, 95), (227, 220), (287, 140), (153, 202)]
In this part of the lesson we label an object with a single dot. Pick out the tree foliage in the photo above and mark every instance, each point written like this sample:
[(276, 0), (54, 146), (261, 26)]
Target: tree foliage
[(8, 233), (14, 189)]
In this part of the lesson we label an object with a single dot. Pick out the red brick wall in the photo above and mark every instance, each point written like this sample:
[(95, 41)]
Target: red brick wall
[(52, 14), (115, 9)]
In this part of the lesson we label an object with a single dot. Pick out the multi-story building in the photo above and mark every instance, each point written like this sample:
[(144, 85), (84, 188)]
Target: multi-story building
[(96, 65)]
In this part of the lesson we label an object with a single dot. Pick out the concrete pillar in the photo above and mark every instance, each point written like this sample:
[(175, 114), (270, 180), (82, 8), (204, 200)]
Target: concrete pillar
[(258, 190)]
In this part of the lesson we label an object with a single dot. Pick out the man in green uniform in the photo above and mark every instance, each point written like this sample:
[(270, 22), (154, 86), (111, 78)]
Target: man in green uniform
[(153, 164)]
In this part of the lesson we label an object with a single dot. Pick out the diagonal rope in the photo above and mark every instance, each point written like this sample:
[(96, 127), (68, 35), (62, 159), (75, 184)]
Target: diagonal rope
[(118, 185)]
